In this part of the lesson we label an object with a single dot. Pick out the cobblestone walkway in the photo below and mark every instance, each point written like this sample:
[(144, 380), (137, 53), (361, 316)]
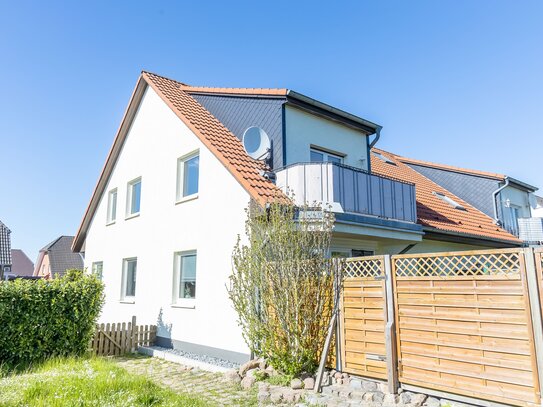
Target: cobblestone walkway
[(208, 386)]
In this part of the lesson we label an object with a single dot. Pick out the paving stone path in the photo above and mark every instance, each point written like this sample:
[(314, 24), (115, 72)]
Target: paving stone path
[(209, 386)]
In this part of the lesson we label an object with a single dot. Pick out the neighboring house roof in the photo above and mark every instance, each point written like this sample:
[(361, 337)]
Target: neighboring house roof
[(61, 256), (5, 245), (22, 265), (451, 168), (434, 213)]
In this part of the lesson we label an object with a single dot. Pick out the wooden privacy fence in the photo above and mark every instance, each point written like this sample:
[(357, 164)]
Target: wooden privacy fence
[(463, 324), (115, 339)]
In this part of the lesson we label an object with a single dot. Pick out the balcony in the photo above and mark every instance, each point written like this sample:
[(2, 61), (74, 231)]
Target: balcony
[(349, 190), (530, 230)]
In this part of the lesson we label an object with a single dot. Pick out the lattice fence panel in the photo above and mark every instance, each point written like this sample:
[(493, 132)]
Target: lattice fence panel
[(471, 264)]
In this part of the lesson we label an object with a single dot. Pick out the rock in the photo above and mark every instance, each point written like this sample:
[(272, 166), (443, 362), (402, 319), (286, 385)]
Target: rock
[(327, 390), (252, 372), (248, 382), (248, 366), (378, 397), (309, 383), (276, 397), (357, 394), (263, 396), (417, 399), (326, 381), (355, 383), (263, 386), (391, 399), (296, 384), (368, 397), (339, 382), (232, 376), (405, 397), (289, 396), (368, 385), (270, 371), (338, 375), (432, 402), (345, 375), (345, 393), (262, 365)]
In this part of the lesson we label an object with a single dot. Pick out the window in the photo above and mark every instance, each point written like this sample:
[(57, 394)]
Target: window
[(450, 201), (97, 268), (133, 197), (112, 206), (319, 156), (188, 168), (185, 277), (129, 278)]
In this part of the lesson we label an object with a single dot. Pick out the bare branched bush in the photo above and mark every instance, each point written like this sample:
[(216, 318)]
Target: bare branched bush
[(282, 284)]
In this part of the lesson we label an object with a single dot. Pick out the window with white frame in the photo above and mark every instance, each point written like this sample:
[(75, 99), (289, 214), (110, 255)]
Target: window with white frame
[(320, 156), (133, 197), (112, 206), (188, 172), (184, 286), (97, 269), (129, 278)]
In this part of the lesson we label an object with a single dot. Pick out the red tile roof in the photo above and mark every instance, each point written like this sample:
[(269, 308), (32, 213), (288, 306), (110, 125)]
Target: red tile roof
[(236, 91), (225, 145), (432, 212)]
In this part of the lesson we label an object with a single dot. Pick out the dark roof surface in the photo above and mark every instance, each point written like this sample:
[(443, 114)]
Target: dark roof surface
[(61, 257), (5, 245), (22, 265)]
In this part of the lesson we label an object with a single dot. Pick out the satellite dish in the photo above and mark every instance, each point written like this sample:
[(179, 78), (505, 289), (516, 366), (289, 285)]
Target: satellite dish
[(257, 143)]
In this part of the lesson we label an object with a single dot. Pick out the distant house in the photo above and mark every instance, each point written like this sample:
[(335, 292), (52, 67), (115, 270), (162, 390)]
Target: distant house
[(537, 209), (57, 257), (5, 250), (22, 266)]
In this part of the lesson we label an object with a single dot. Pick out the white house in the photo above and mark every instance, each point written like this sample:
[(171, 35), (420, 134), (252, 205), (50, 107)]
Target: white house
[(169, 204)]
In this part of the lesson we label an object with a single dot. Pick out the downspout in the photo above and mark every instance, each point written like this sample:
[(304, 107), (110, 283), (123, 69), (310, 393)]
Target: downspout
[(494, 196), (373, 143)]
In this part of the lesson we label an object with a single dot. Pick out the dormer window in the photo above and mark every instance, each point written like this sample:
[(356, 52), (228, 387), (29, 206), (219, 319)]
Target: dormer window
[(321, 156), (450, 201), (383, 158)]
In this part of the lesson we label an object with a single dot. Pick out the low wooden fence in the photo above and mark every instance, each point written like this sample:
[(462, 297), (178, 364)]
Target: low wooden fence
[(115, 339), (465, 324)]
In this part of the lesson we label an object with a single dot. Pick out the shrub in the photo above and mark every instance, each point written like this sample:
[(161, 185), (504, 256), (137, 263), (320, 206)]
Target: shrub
[(282, 285), (44, 318)]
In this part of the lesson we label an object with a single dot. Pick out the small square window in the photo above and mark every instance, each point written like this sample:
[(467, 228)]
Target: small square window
[(129, 278), (133, 197), (112, 206), (188, 172), (97, 269), (184, 277)]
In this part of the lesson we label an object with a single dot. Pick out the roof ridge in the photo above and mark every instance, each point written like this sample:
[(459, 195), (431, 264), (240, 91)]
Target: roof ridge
[(163, 77), (236, 91), (451, 167)]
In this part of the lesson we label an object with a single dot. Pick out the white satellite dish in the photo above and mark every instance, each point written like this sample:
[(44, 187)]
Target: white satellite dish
[(257, 143)]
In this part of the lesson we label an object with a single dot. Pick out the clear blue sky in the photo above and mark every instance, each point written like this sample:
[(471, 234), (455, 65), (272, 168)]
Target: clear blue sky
[(457, 82)]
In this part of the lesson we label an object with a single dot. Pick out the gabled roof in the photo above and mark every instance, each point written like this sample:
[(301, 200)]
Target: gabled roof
[(61, 256), (5, 245), (434, 213), (212, 133), (22, 265)]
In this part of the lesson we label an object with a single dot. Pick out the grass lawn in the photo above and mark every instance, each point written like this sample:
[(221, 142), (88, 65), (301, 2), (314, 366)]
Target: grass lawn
[(87, 382)]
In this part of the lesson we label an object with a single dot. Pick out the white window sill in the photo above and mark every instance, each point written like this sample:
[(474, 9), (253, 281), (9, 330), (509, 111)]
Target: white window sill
[(187, 198), (187, 303), (110, 223), (134, 215), (127, 301)]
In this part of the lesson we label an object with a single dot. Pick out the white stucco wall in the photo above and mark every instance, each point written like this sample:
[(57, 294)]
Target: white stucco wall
[(517, 198), (304, 130), (208, 224)]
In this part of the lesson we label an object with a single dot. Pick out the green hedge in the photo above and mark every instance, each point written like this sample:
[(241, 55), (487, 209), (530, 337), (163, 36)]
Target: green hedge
[(44, 318)]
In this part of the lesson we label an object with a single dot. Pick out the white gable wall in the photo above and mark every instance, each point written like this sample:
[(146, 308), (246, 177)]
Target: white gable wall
[(209, 224)]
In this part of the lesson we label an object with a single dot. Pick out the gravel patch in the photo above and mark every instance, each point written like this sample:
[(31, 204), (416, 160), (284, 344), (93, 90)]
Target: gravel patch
[(197, 357)]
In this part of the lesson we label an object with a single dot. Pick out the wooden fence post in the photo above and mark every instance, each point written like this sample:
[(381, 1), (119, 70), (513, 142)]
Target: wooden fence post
[(390, 328), (133, 336), (535, 312)]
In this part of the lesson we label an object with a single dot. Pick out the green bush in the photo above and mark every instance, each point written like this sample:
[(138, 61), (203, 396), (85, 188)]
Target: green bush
[(40, 319)]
